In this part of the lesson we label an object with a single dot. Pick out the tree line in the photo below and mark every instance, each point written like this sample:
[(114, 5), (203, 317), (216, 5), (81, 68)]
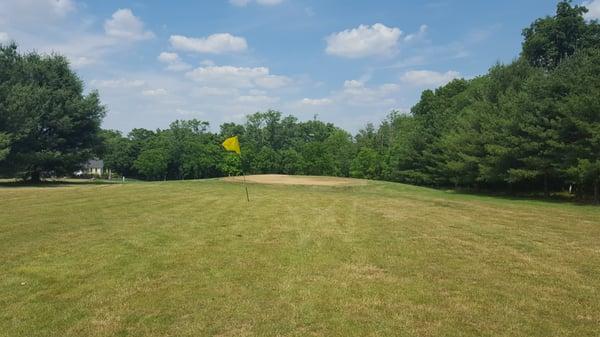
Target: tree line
[(533, 124), (270, 142), (530, 125)]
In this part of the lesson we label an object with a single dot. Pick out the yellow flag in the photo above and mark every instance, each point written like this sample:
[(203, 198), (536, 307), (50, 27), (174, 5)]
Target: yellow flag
[(232, 144)]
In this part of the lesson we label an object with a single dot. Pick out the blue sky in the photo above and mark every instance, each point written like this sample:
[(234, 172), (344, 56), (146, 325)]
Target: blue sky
[(350, 62)]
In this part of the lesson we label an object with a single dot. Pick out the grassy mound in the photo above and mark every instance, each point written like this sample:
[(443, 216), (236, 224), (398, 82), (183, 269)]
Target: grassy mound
[(283, 179), (195, 259)]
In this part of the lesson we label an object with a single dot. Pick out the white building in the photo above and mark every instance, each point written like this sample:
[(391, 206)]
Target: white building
[(94, 167)]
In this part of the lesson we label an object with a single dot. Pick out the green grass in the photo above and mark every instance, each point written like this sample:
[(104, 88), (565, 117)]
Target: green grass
[(194, 259)]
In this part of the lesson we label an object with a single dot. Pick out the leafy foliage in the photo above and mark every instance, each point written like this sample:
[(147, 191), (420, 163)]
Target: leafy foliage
[(47, 125), (270, 144), (550, 40)]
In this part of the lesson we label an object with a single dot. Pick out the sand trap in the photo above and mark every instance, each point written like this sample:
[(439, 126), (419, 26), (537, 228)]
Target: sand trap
[(298, 180)]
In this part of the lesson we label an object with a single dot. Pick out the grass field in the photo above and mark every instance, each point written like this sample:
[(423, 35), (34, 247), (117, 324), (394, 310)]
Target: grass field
[(194, 259)]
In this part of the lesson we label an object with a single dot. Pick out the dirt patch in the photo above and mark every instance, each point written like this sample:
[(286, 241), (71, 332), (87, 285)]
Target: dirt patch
[(298, 180)]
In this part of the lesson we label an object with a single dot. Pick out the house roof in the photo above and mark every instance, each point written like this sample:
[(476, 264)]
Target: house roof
[(95, 163)]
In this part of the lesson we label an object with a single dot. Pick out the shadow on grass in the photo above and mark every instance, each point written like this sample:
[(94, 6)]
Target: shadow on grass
[(557, 198), (54, 183)]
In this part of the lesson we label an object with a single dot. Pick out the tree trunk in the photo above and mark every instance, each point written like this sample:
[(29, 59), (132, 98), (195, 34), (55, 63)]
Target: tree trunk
[(36, 177), (546, 190)]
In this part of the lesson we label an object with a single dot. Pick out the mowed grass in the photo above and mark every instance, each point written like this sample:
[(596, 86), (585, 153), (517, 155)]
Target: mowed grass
[(195, 259)]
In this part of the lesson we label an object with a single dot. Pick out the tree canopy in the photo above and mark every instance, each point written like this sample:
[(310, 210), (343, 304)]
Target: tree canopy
[(47, 125)]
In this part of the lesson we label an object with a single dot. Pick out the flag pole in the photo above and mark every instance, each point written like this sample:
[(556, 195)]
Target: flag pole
[(233, 144), (245, 186), (244, 177)]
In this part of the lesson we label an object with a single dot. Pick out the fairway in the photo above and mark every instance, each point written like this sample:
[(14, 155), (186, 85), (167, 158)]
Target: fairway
[(193, 258)]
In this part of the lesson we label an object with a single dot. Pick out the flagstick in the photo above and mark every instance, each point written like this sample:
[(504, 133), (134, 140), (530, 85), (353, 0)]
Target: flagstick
[(246, 187), (244, 177), (233, 144)]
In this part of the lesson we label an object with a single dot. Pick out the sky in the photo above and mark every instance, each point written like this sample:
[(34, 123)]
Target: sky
[(347, 62)]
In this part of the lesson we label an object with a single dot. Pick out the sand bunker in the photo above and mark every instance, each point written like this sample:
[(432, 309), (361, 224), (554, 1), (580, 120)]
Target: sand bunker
[(298, 180)]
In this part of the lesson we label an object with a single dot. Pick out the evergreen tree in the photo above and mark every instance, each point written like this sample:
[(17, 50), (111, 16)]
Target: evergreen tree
[(47, 125)]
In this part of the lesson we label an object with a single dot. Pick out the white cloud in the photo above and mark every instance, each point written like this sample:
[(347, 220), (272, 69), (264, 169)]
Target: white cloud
[(593, 10), (237, 77), (168, 57), (124, 25), (117, 83), (35, 11), (269, 2), (82, 49), (210, 91), (257, 99), (185, 112), (227, 75), (428, 78), (154, 92), (173, 61), (257, 92), (418, 35), (76, 38), (272, 81), (357, 93), (375, 40), (244, 3), (354, 104), (239, 3), (4, 38), (213, 44), (81, 61), (59, 7), (316, 101), (353, 84)]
